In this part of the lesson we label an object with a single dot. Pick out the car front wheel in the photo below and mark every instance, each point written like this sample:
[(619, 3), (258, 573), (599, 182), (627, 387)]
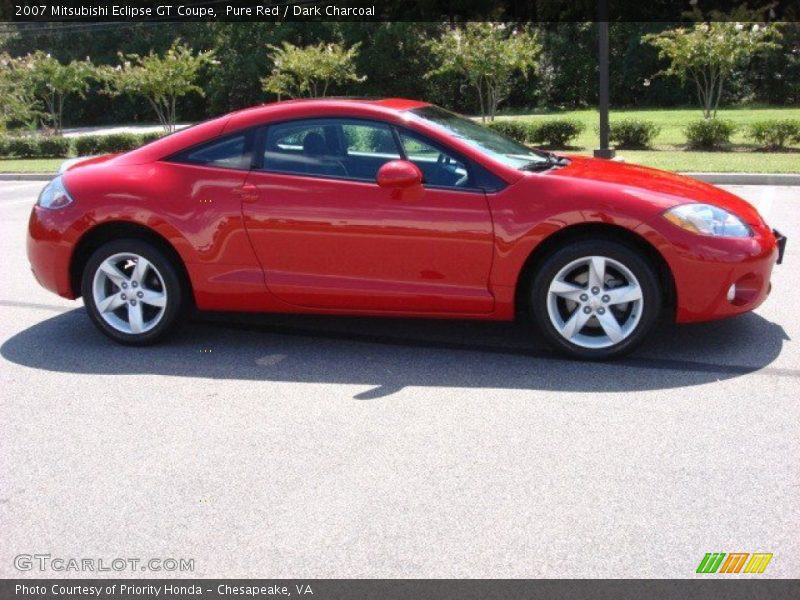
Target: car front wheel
[(595, 299), (132, 292)]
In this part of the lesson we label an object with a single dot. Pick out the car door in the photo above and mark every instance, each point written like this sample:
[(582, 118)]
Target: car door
[(328, 236), (203, 194)]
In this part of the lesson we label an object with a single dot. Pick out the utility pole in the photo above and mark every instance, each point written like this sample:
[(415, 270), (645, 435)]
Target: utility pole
[(602, 51)]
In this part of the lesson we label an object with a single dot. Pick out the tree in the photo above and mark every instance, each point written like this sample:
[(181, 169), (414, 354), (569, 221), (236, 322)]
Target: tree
[(710, 53), (51, 81), (310, 70), (488, 55), (162, 79), (17, 103)]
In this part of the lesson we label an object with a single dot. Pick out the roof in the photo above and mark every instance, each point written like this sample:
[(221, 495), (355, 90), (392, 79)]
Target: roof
[(357, 107), (391, 103)]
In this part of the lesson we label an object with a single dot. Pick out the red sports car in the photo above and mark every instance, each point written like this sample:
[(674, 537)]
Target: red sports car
[(396, 208)]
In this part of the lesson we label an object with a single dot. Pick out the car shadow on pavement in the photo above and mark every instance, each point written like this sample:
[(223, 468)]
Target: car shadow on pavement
[(390, 354)]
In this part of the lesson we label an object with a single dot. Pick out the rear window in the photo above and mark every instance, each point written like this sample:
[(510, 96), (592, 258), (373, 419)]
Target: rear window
[(230, 152)]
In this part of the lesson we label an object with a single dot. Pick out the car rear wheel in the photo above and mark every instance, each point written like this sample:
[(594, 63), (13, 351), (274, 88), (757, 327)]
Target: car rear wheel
[(595, 299), (132, 292)]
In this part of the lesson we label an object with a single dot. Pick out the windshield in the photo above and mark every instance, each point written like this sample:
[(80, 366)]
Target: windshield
[(496, 145)]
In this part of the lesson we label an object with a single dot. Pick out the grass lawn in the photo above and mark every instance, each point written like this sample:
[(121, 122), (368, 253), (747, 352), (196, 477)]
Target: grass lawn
[(668, 152), (30, 165), (714, 162)]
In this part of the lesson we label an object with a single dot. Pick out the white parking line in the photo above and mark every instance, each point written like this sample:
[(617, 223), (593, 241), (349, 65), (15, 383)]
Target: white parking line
[(13, 202), (20, 185), (764, 202)]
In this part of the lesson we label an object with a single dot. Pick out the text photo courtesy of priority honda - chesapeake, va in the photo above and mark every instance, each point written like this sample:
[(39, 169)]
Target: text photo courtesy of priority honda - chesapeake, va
[(399, 300)]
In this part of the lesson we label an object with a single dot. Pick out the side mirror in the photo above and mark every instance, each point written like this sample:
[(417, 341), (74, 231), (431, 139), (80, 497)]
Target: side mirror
[(399, 174)]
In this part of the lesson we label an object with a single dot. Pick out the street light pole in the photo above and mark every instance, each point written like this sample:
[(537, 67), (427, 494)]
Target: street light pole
[(602, 46)]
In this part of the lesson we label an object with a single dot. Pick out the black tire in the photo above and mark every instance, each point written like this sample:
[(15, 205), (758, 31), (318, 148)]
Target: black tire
[(166, 278), (627, 256)]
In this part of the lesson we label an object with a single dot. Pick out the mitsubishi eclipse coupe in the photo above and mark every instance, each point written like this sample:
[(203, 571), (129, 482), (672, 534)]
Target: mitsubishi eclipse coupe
[(392, 207)]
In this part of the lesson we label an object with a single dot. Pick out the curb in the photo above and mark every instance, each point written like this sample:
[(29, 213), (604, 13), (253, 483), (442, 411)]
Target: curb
[(747, 178), (715, 178), (26, 176)]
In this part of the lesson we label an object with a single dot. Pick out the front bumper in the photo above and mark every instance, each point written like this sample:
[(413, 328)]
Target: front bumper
[(714, 277), (49, 245)]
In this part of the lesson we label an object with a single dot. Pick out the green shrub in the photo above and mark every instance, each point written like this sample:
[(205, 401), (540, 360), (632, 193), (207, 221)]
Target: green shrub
[(22, 147), (556, 133), (709, 134), (86, 145), (146, 138), (119, 142), (111, 143), (774, 134), (519, 131), (633, 133), (54, 146), (35, 147)]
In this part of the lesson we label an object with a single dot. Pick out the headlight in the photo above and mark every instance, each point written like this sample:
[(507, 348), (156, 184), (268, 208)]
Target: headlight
[(54, 195), (707, 219)]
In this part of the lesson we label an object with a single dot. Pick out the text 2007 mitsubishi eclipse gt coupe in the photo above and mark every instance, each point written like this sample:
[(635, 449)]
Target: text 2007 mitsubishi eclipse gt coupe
[(392, 207)]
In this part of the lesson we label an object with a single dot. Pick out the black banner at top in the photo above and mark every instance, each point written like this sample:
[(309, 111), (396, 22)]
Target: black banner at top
[(397, 10)]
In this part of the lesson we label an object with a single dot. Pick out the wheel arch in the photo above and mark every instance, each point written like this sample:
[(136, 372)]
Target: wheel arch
[(607, 231), (98, 235)]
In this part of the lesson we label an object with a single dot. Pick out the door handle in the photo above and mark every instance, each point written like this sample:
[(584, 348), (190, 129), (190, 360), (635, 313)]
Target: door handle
[(248, 192)]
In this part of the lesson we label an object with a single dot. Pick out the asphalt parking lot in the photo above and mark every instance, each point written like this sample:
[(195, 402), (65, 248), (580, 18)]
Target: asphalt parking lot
[(330, 447)]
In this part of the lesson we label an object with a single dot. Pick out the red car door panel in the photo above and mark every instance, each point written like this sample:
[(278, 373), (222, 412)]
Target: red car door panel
[(347, 244)]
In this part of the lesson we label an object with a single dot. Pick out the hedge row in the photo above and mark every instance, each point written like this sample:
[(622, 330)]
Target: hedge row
[(704, 134), (556, 133), (61, 147), (769, 134)]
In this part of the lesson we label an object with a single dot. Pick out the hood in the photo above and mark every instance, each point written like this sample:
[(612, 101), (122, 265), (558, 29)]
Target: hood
[(84, 161), (672, 189)]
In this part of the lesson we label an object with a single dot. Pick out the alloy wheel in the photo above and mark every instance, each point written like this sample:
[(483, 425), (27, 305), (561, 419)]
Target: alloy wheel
[(595, 302), (129, 293)]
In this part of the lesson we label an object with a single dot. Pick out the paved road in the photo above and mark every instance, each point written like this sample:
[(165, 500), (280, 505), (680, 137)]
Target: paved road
[(375, 448)]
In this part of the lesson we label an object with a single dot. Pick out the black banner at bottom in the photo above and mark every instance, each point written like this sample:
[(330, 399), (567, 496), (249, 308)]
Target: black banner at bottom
[(398, 589)]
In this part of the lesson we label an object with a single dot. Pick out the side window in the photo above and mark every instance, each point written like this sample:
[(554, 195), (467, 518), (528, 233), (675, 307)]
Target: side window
[(368, 146), (304, 147), (346, 148), (439, 168), (232, 152), (369, 139)]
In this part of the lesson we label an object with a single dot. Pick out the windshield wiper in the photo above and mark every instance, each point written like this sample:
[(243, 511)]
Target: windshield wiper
[(554, 158), (550, 160), (537, 165)]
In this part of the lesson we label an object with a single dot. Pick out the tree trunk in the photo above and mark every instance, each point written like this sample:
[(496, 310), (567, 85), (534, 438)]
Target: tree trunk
[(58, 124), (719, 95), (479, 85), (705, 94), (50, 104), (700, 95), (492, 99), (159, 113)]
